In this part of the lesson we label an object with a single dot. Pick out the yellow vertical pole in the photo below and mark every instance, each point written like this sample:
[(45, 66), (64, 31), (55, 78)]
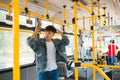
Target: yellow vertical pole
[(93, 53), (26, 3), (16, 67), (92, 29), (47, 9), (75, 38), (26, 8), (9, 10), (104, 15), (64, 13), (99, 22), (98, 9), (28, 15)]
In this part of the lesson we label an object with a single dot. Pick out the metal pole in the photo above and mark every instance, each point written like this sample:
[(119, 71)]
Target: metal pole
[(35, 14), (93, 46), (9, 10), (98, 9), (84, 7), (47, 9), (16, 67), (99, 18), (98, 69), (108, 66), (26, 3), (28, 15), (104, 16), (64, 14), (75, 38), (89, 17)]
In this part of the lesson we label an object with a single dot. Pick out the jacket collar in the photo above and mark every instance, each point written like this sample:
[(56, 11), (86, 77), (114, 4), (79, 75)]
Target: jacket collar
[(53, 40)]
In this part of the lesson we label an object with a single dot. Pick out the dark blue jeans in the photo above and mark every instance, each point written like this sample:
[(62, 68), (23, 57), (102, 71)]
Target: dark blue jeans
[(49, 75), (111, 60)]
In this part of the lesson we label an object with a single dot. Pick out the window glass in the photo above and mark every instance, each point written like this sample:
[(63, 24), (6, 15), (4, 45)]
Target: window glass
[(26, 53), (6, 49), (70, 47)]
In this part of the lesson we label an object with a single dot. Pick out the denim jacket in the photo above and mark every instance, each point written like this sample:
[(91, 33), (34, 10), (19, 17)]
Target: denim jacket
[(39, 47)]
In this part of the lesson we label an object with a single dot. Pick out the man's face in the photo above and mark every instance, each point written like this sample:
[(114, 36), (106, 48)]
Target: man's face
[(48, 35)]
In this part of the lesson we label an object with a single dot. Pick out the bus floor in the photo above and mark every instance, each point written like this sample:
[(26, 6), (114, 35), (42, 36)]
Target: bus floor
[(113, 74), (98, 77)]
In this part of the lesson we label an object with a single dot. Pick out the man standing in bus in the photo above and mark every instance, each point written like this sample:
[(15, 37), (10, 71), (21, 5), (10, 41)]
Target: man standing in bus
[(48, 52), (112, 50)]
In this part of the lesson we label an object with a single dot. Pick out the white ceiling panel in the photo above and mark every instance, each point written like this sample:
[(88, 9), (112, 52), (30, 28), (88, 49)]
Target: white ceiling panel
[(56, 8)]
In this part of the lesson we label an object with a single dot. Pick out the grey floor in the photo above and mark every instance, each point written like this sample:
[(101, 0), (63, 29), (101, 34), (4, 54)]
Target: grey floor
[(98, 77)]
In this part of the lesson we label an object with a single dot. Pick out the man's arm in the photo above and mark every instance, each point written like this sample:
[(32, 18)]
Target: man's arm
[(31, 41), (116, 47), (37, 29), (64, 38)]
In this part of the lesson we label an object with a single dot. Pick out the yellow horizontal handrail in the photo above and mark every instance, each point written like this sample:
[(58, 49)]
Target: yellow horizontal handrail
[(10, 29), (84, 7), (98, 69), (104, 66), (89, 17), (27, 31), (35, 14), (109, 66), (4, 5)]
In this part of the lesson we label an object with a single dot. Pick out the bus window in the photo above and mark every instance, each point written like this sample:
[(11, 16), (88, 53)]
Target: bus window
[(6, 49), (70, 47)]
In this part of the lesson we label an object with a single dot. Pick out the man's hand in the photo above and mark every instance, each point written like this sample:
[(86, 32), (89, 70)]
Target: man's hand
[(38, 28), (60, 32)]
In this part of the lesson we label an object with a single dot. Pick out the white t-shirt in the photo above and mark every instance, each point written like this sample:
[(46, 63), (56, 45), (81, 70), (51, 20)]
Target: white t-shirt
[(51, 56)]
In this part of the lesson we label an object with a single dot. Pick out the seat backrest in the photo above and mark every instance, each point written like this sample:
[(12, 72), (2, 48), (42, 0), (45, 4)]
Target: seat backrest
[(62, 68), (116, 74)]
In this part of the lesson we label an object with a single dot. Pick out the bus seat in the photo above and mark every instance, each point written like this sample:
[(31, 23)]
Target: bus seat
[(63, 71)]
